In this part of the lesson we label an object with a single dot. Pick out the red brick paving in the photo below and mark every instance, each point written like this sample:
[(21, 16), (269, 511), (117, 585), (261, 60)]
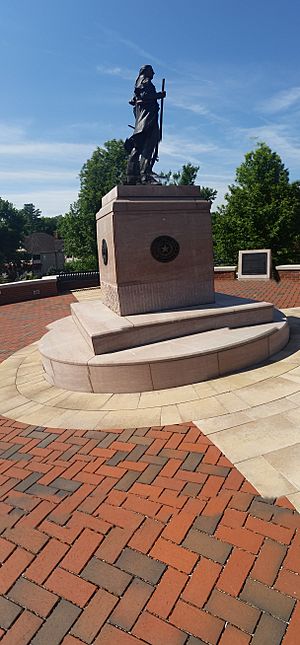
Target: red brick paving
[(154, 563), (283, 294), (25, 322), (169, 546)]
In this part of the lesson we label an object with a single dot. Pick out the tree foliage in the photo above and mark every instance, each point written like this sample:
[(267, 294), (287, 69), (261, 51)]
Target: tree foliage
[(34, 222), (99, 175), (261, 210), (186, 177), (11, 231)]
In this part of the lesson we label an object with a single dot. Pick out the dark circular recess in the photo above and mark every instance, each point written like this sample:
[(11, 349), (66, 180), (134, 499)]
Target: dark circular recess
[(164, 248), (104, 251)]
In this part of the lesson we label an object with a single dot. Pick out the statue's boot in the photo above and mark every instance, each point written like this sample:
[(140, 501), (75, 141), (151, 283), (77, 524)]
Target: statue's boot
[(133, 175)]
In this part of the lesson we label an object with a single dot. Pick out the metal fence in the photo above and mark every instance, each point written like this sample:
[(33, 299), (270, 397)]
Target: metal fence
[(77, 280)]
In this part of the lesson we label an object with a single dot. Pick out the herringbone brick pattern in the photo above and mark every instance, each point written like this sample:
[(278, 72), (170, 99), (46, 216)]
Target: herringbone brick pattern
[(138, 536), (133, 536)]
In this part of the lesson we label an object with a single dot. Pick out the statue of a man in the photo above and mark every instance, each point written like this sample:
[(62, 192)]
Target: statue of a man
[(143, 144)]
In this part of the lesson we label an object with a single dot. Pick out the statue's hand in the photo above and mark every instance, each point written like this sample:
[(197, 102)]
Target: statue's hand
[(161, 95)]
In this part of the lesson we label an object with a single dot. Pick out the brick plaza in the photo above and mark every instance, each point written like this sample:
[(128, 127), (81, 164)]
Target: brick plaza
[(138, 535)]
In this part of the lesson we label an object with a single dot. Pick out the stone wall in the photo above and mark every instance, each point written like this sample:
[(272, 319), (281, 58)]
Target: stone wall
[(225, 273), (11, 292), (289, 272)]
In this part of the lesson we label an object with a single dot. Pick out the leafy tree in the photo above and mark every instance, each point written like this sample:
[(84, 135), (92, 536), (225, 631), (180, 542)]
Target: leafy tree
[(79, 234), (49, 225), (262, 210), (99, 175), (208, 193), (11, 231), (186, 177)]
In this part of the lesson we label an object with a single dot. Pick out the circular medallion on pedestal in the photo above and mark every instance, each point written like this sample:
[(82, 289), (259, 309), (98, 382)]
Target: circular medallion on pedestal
[(104, 252), (164, 248)]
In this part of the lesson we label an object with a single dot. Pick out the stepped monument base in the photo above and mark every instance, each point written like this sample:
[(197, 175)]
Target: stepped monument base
[(158, 323)]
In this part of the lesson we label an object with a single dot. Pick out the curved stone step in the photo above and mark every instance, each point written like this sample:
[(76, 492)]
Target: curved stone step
[(71, 364), (105, 331)]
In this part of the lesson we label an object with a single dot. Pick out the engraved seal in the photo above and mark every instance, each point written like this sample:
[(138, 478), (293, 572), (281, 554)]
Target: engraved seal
[(104, 251), (164, 248)]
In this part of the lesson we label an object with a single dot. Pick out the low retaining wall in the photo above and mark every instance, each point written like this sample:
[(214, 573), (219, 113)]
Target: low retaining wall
[(225, 273), (289, 272), (11, 292)]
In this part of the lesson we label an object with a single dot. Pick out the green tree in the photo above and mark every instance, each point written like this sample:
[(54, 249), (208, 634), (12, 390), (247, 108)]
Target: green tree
[(35, 222), (31, 218), (99, 175), (186, 177), (261, 210), (11, 231), (49, 225)]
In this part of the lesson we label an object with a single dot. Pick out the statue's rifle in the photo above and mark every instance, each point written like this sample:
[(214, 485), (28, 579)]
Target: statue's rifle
[(161, 109), (155, 154)]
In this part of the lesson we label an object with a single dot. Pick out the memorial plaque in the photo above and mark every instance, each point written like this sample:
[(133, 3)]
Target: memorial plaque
[(254, 263)]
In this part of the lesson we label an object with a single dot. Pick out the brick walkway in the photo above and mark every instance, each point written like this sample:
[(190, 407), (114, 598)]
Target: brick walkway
[(134, 536)]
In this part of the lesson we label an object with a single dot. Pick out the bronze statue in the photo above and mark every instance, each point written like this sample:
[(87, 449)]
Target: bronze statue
[(142, 146)]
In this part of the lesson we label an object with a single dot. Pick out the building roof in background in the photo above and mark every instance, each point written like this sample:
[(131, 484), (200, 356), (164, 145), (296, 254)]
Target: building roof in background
[(42, 243)]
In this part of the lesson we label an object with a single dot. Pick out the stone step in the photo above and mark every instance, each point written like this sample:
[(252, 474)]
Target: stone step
[(105, 331), (70, 363)]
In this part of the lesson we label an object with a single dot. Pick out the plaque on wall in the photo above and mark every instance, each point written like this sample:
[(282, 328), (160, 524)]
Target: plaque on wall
[(254, 263)]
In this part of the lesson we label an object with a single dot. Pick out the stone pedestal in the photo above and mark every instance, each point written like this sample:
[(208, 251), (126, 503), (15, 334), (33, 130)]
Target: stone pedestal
[(157, 327), (155, 249)]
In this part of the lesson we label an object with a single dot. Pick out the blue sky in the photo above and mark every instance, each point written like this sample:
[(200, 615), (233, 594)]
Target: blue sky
[(68, 67)]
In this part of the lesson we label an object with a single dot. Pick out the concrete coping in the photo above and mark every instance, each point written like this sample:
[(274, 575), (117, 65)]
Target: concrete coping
[(23, 283), (288, 267), (219, 269), (150, 191)]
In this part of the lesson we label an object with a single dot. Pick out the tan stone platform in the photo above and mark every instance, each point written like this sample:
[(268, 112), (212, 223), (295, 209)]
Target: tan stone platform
[(106, 332), (95, 350), (253, 416)]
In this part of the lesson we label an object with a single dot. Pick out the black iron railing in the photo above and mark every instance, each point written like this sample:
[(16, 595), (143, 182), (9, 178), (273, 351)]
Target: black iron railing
[(77, 280)]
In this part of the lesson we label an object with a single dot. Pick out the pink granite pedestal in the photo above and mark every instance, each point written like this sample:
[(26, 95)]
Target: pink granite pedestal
[(155, 249)]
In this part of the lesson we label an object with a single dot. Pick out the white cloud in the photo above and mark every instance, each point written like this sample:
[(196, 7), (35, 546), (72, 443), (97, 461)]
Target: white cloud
[(277, 136), (42, 172), (197, 108), (11, 133), (184, 149), (122, 72), (115, 37), (282, 100), (37, 175), (47, 150), (50, 202)]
